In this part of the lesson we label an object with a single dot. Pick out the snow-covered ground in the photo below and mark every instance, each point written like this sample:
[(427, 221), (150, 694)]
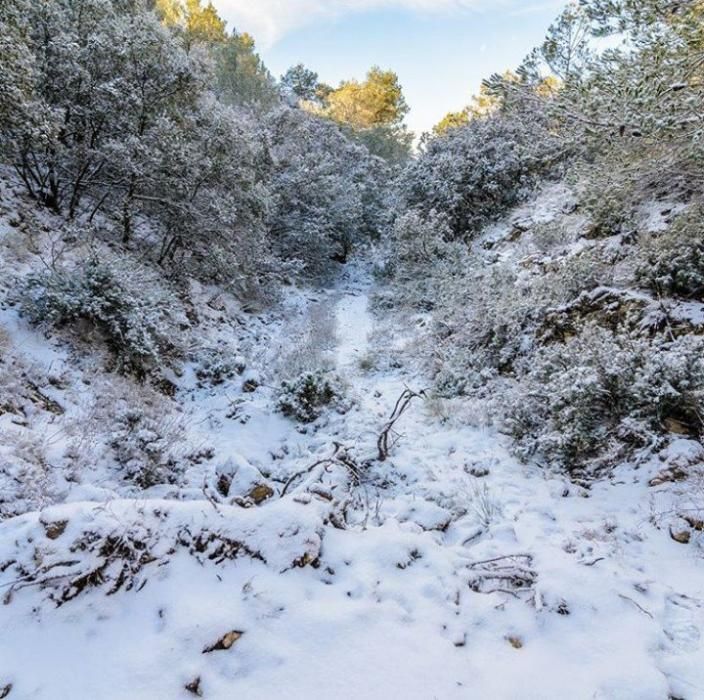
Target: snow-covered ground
[(460, 573)]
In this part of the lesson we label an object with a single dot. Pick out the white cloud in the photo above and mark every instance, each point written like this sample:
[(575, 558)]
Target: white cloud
[(269, 20)]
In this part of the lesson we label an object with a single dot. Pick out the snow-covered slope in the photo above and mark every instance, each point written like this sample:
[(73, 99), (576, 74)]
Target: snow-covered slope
[(448, 570)]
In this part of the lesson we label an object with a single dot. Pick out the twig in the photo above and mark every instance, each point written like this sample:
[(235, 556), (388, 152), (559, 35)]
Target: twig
[(339, 457), (402, 404), (640, 607), (503, 558)]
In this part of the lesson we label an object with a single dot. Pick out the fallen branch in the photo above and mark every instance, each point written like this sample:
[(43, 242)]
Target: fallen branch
[(505, 574), (640, 607), (383, 442), (340, 457)]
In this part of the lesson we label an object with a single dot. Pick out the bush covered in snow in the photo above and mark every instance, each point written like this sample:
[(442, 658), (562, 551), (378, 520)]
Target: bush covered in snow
[(606, 197), (422, 257), (328, 192), (672, 263), (474, 173), (147, 446), (601, 395), (556, 339), (128, 308), (306, 398), (217, 365)]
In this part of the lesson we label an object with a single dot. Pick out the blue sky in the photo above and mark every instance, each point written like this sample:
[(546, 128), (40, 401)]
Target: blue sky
[(441, 49)]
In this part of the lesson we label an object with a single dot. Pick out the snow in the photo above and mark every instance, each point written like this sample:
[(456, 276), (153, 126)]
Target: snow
[(657, 215), (398, 604), (691, 312), (353, 329)]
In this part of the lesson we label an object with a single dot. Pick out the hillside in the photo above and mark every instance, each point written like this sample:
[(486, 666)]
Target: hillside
[(447, 566), (290, 409)]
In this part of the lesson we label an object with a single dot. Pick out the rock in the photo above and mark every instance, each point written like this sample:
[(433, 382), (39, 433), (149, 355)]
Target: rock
[(250, 386), (515, 642), (260, 493), (223, 484), (667, 476), (194, 687), (225, 642), (681, 457), (55, 530), (695, 523), (237, 478), (308, 559), (426, 514), (522, 224), (166, 387), (683, 453), (681, 536), (37, 396), (609, 308), (673, 425)]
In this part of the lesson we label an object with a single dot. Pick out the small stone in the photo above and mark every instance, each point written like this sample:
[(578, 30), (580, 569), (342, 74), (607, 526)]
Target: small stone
[(260, 493), (194, 687), (515, 642), (223, 484), (695, 523), (563, 608), (225, 642), (668, 476), (681, 536), (522, 224), (250, 386), (678, 427), (54, 531)]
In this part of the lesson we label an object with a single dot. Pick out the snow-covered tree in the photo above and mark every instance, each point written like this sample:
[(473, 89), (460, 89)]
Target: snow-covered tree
[(475, 172), (327, 194)]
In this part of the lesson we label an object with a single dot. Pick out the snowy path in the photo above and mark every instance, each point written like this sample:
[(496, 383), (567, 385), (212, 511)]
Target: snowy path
[(397, 606), (354, 324)]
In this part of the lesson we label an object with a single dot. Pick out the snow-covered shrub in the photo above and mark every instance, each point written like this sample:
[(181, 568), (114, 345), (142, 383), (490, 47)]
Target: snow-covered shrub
[(26, 481), (29, 478), (607, 196), (215, 365), (474, 173), (125, 304), (485, 323), (309, 395), (130, 434), (488, 316), (422, 257), (146, 444), (207, 200), (419, 239), (579, 273), (673, 262), (13, 371), (484, 505), (602, 395), (328, 195)]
